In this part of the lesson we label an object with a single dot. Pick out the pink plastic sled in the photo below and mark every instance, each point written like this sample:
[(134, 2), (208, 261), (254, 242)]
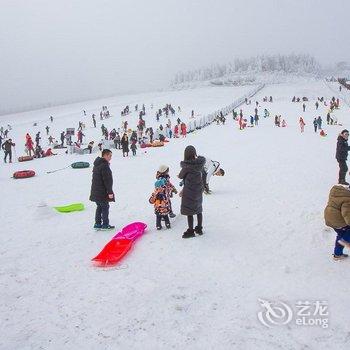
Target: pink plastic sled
[(114, 251)]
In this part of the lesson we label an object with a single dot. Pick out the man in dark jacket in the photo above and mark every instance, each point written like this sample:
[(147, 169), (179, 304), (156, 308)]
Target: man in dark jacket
[(62, 138), (7, 147), (342, 155), (102, 190)]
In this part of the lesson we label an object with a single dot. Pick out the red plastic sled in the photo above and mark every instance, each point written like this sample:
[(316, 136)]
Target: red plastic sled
[(113, 252), (119, 245)]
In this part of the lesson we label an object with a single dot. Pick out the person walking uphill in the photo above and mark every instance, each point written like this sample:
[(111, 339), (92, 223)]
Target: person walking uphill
[(342, 155), (102, 190), (192, 193), (7, 147), (337, 216)]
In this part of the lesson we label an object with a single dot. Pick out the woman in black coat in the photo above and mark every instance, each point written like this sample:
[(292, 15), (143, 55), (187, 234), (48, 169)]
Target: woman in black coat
[(125, 145), (192, 193)]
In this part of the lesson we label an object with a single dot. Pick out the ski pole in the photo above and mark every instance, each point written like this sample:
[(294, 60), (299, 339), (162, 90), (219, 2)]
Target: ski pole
[(15, 153)]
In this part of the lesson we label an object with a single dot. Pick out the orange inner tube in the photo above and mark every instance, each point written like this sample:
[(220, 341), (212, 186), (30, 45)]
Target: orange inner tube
[(25, 158), (23, 174)]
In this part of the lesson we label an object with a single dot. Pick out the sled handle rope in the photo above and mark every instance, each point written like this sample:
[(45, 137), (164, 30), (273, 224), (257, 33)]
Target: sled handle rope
[(53, 171)]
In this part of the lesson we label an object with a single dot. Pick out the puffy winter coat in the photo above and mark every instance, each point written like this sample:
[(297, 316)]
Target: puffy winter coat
[(160, 200), (7, 146), (169, 186), (102, 181), (342, 148), (192, 194), (337, 211), (125, 144)]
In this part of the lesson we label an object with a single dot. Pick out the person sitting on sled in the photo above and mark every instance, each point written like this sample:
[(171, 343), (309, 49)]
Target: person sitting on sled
[(337, 216), (49, 153), (163, 173), (160, 201), (211, 167)]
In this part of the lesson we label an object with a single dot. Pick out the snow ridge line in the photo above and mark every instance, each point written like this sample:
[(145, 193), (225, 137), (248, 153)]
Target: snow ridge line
[(208, 119), (343, 97)]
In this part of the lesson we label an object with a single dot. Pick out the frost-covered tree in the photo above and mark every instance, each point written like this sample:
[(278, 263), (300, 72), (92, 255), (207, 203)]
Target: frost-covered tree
[(300, 64)]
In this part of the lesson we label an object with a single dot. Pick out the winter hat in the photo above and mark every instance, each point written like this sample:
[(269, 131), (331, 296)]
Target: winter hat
[(222, 171), (344, 131), (163, 169), (160, 183)]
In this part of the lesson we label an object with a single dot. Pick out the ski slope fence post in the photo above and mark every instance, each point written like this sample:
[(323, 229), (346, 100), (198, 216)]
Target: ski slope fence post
[(202, 122), (345, 98)]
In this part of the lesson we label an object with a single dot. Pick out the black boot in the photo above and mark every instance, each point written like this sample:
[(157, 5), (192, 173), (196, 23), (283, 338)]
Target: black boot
[(198, 230), (189, 233), (343, 182)]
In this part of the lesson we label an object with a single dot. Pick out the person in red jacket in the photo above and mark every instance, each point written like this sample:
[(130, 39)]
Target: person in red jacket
[(80, 136), (176, 131), (29, 144), (183, 130), (49, 153), (302, 124)]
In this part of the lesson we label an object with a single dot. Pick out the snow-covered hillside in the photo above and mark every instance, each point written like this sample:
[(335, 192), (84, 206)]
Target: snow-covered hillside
[(264, 235)]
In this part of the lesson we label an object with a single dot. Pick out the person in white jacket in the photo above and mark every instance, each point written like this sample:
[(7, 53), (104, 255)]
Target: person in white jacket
[(211, 167)]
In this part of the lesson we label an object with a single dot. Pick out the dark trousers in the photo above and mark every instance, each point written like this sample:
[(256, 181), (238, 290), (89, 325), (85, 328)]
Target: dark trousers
[(199, 221), (102, 212), (8, 153), (134, 152), (344, 234), (159, 220), (343, 168)]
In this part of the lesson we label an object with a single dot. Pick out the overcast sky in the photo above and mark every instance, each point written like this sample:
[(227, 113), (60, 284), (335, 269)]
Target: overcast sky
[(65, 50)]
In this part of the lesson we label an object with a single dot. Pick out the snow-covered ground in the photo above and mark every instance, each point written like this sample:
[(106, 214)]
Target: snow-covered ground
[(264, 237)]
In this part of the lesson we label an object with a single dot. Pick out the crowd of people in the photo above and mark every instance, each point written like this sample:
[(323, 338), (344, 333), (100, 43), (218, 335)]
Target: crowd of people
[(195, 175), (123, 138), (195, 172)]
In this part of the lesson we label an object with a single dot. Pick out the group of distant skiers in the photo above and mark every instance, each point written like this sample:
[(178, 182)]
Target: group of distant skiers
[(317, 122)]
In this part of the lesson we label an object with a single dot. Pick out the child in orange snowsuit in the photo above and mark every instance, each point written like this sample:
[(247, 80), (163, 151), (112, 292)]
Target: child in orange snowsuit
[(160, 200), (163, 173)]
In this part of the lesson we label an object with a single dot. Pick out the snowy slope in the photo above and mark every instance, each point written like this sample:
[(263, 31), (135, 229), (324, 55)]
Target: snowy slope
[(264, 238), (203, 101)]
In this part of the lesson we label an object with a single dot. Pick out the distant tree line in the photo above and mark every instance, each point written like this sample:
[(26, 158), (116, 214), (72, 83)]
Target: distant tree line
[(292, 63)]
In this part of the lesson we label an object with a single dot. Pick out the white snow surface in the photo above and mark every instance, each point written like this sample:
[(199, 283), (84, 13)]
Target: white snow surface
[(264, 235)]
